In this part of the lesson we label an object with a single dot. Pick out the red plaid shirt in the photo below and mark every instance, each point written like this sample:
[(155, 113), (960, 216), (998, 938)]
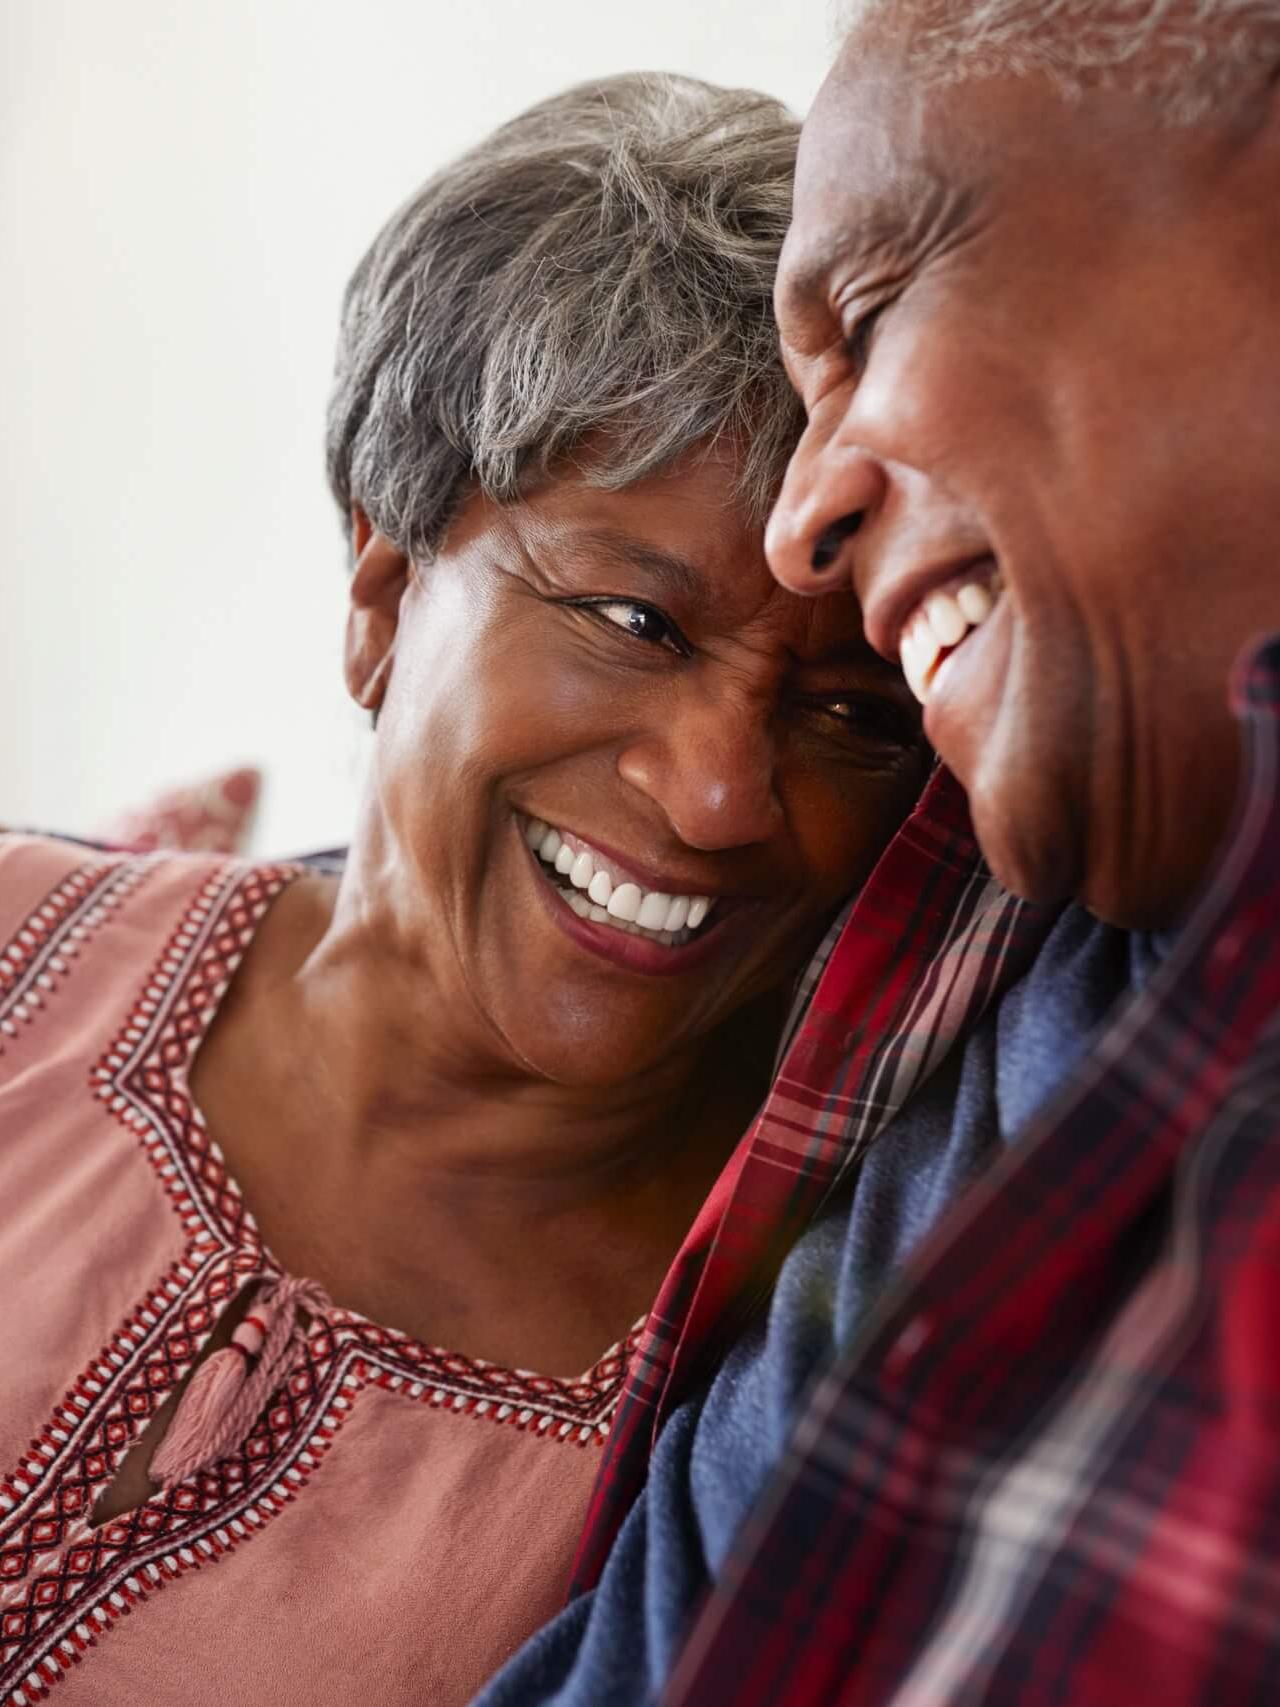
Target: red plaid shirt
[(928, 944), (1049, 1470)]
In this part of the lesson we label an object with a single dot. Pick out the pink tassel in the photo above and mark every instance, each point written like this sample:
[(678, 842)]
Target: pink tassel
[(210, 1394), (228, 1390)]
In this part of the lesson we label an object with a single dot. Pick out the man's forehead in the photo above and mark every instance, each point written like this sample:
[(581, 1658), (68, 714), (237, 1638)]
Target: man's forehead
[(859, 219), (889, 161), (866, 180)]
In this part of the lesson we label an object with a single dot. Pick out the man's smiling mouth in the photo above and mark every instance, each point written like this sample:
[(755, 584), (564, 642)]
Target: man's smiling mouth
[(595, 889), (943, 620)]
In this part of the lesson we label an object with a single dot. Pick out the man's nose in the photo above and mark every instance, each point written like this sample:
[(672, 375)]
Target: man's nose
[(830, 487), (711, 770)]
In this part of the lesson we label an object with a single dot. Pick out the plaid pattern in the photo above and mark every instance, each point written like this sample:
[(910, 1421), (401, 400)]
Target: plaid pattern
[(1049, 1472), (927, 944)]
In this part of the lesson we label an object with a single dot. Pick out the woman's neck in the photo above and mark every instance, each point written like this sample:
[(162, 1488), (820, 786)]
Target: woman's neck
[(389, 1148)]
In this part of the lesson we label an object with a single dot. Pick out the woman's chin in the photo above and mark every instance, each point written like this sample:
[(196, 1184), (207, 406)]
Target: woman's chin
[(581, 1041)]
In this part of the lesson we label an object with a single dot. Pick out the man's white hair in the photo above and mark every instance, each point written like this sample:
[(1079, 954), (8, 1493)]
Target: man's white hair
[(1193, 57)]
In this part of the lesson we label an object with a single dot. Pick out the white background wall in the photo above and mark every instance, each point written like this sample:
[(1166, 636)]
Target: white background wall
[(184, 187)]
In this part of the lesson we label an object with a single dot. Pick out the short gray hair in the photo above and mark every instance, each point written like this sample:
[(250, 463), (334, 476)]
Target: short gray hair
[(600, 268), (1192, 57)]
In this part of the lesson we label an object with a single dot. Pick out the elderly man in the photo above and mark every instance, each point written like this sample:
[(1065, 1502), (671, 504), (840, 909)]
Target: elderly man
[(1031, 300)]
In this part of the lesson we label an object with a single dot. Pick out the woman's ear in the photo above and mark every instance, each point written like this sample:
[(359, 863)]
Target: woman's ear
[(378, 582)]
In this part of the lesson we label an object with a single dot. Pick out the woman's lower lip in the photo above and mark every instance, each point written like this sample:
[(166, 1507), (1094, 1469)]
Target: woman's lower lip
[(634, 953)]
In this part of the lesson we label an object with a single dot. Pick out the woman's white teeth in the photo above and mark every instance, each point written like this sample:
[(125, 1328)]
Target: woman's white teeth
[(595, 896), (623, 902), (582, 871), (941, 622), (653, 912)]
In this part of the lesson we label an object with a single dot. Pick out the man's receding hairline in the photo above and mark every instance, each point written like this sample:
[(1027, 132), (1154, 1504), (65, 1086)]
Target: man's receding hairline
[(1191, 58)]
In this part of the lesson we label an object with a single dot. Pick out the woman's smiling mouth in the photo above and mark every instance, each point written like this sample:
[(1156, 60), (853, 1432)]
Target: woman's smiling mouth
[(596, 889)]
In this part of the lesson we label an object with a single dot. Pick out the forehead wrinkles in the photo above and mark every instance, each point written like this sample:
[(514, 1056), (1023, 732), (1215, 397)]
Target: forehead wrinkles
[(872, 195), (887, 228)]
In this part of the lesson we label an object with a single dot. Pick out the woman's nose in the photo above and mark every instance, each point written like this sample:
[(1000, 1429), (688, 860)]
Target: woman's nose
[(711, 770), (829, 489)]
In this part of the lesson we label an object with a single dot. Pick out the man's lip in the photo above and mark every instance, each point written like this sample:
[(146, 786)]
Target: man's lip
[(645, 876), (886, 609)]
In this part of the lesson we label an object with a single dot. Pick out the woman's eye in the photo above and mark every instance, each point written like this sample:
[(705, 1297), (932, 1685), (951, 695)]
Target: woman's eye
[(870, 718), (642, 621)]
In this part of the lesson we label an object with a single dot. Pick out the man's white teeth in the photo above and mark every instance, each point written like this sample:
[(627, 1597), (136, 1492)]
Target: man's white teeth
[(945, 618), (976, 603), (594, 895), (942, 621)]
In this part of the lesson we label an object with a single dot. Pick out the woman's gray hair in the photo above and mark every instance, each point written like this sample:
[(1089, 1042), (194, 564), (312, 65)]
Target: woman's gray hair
[(600, 268), (1193, 58)]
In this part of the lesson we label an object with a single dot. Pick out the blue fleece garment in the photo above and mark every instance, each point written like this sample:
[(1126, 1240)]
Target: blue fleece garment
[(615, 1646)]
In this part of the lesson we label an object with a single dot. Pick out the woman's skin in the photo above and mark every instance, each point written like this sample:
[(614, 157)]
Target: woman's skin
[(461, 1119), (443, 1097)]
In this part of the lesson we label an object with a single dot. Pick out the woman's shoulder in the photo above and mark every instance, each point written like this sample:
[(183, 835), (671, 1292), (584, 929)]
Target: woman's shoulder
[(59, 888), (50, 850), (85, 928), (38, 871)]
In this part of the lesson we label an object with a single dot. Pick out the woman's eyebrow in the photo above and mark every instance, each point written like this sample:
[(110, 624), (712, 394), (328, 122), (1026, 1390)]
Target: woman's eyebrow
[(675, 573)]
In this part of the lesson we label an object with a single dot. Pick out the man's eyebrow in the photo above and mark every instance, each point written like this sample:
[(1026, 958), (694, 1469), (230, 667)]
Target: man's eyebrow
[(804, 281), (900, 223), (611, 546)]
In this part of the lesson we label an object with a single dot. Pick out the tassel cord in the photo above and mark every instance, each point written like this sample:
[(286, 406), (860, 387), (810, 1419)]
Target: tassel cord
[(194, 1439)]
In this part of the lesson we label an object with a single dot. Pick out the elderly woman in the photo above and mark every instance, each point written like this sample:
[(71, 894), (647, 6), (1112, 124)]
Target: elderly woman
[(362, 1151)]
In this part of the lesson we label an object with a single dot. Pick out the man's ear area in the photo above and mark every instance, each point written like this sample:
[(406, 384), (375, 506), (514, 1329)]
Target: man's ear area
[(378, 583)]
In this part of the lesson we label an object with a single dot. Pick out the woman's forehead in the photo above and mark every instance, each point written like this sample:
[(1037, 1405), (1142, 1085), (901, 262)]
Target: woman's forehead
[(679, 540)]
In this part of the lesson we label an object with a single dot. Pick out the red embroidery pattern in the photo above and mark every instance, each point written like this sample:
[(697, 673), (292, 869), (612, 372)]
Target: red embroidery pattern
[(102, 1574), (44, 948), (571, 1411), (143, 1076), (64, 1583)]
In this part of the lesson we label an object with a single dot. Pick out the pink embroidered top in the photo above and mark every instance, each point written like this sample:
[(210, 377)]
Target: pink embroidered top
[(395, 1521)]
